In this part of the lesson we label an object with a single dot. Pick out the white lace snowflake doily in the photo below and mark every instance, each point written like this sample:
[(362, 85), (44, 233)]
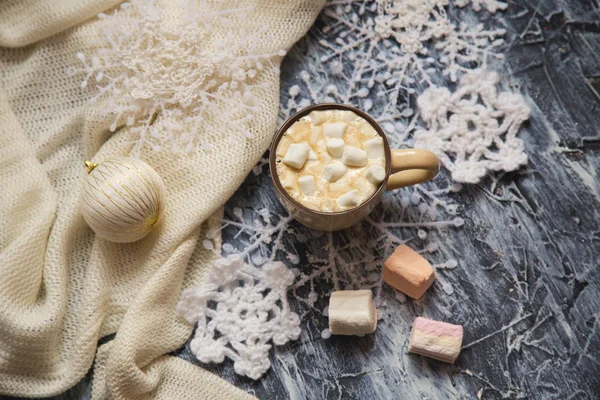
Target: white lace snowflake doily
[(473, 130), (239, 310)]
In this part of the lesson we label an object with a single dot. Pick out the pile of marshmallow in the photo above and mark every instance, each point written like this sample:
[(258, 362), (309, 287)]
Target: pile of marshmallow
[(344, 156), (353, 312)]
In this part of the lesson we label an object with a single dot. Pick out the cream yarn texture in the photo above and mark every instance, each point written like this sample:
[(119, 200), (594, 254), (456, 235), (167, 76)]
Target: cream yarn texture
[(61, 287)]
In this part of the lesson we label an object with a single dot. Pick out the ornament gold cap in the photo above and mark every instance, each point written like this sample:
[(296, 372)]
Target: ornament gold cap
[(90, 165)]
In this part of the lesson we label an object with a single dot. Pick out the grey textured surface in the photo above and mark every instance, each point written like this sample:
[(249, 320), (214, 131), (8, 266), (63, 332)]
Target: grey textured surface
[(527, 288)]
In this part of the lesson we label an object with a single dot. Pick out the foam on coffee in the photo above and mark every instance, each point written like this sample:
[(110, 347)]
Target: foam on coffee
[(331, 160)]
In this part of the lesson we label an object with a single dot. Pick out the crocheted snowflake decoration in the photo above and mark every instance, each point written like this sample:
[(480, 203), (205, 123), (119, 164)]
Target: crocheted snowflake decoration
[(490, 5), (398, 42), (151, 63), (473, 130), (239, 310)]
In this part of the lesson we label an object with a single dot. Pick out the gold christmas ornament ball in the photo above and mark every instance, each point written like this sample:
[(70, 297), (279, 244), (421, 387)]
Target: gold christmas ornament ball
[(123, 198)]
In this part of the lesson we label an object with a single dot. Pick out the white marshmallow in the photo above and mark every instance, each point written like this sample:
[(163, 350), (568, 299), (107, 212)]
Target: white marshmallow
[(313, 203), (328, 205), (364, 187), (368, 129), (296, 155), (334, 171), (335, 130), (340, 186), (307, 184), (289, 181), (375, 174), (354, 157), (283, 145), (314, 135), (312, 156), (349, 199), (318, 117), (352, 312), (347, 116), (335, 147), (312, 168), (374, 148)]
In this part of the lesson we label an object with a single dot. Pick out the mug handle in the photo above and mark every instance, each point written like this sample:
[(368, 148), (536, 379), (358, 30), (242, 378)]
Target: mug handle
[(412, 166)]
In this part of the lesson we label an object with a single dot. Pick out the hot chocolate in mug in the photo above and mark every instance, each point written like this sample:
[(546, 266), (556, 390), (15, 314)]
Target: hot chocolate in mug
[(403, 167)]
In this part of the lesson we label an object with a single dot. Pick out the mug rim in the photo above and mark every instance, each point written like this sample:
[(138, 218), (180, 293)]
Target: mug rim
[(321, 107)]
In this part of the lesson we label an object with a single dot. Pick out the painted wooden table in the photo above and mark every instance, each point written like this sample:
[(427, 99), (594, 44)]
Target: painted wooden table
[(527, 288), (527, 284)]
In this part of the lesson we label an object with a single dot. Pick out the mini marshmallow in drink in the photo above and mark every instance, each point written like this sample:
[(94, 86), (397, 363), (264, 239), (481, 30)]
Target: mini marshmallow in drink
[(374, 148), (354, 157), (349, 199), (375, 174), (364, 187), (347, 116), (307, 185), (296, 155), (368, 129), (335, 130), (318, 117), (328, 204), (314, 135), (335, 147), (339, 187), (284, 144), (289, 182), (334, 171), (315, 203)]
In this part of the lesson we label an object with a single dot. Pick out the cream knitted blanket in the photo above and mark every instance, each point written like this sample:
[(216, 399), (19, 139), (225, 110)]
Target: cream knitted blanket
[(61, 289)]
